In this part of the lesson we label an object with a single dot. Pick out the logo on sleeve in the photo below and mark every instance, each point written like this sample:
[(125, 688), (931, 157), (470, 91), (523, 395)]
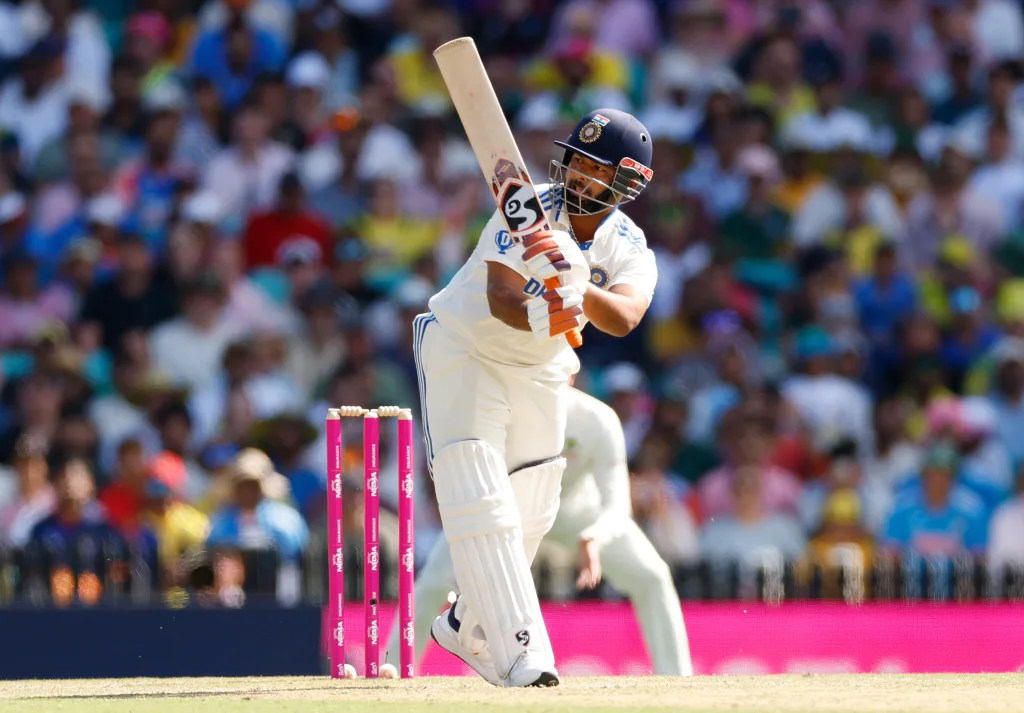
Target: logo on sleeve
[(504, 241), (599, 276)]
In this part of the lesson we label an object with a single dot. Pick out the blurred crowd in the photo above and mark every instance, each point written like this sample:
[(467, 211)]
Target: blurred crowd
[(217, 218)]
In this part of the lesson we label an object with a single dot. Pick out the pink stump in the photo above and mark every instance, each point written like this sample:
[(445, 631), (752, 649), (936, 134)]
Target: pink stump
[(406, 546), (371, 540), (335, 545)]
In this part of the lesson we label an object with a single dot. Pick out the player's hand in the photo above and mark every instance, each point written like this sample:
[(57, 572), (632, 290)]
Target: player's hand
[(588, 561), (555, 312), (555, 253)]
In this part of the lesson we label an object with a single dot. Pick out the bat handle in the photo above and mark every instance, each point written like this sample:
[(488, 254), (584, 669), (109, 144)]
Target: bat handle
[(574, 337)]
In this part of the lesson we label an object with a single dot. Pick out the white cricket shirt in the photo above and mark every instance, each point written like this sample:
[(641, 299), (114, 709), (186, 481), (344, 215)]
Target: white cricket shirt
[(617, 255)]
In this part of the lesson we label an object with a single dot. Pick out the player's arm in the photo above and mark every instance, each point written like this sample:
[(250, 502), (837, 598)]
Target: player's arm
[(616, 311), (505, 296)]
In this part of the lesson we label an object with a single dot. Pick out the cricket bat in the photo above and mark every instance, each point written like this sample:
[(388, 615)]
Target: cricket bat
[(495, 147)]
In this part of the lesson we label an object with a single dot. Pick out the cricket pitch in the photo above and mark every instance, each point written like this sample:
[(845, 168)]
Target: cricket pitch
[(806, 693)]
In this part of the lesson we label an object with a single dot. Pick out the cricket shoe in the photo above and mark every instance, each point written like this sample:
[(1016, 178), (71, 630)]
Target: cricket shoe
[(445, 632), (530, 671)]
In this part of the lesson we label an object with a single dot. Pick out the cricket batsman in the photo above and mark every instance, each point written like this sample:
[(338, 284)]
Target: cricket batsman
[(594, 519), (494, 366)]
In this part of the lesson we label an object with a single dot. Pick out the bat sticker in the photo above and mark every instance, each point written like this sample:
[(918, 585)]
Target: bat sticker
[(503, 171), (520, 208)]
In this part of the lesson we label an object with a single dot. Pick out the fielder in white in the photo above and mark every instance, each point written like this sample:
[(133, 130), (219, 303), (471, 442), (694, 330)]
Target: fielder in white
[(494, 367), (594, 519)]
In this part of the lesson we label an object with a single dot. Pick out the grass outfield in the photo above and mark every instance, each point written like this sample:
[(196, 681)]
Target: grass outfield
[(808, 693)]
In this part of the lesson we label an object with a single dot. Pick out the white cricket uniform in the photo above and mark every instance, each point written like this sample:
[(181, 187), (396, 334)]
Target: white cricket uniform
[(595, 503), (476, 373)]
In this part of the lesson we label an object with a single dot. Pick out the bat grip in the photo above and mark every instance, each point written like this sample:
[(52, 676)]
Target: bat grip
[(574, 336)]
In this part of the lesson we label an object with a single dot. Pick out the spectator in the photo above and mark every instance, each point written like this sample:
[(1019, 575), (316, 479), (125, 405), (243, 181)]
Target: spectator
[(338, 199), (1001, 175), (333, 41), (777, 84), (1005, 535), (938, 519), (36, 415), (189, 348), (660, 511), (715, 176), (759, 230), (33, 107), (1008, 393), (971, 130), (24, 306), (233, 57), (125, 117), (750, 534), (843, 486), (846, 204), (624, 385), (270, 234), (962, 96), (746, 445), (842, 540), (313, 359), (148, 38), (284, 439), (827, 402), (150, 184), (710, 403), (396, 242), (248, 305), (951, 209), (122, 499), (76, 535), (87, 102), (135, 297), (34, 498), (203, 128), (253, 521), (984, 455), (180, 529), (174, 424), (895, 458), (246, 176), (307, 77)]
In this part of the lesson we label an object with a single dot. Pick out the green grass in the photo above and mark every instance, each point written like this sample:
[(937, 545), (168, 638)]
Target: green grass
[(807, 693)]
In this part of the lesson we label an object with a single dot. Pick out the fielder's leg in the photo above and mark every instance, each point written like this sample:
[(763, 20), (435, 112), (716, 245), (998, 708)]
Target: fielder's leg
[(632, 565), (434, 581)]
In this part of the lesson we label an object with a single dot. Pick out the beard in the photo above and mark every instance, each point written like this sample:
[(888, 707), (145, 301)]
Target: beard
[(579, 203)]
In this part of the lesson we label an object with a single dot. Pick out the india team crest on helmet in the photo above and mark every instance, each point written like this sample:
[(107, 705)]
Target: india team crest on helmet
[(591, 131)]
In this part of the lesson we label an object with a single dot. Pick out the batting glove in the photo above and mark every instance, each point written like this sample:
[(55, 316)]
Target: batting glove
[(555, 312), (555, 254)]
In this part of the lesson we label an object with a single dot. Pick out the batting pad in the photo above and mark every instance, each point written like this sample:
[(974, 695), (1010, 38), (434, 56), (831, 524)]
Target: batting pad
[(537, 487), (482, 525)]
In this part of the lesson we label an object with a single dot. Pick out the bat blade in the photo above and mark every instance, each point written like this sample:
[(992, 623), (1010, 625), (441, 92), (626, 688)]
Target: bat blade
[(493, 144)]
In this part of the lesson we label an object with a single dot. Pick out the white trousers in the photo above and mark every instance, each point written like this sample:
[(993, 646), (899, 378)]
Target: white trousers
[(464, 398), (629, 563)]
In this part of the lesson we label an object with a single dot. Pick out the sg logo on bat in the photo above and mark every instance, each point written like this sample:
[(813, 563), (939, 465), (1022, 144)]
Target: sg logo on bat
[(520, 208)]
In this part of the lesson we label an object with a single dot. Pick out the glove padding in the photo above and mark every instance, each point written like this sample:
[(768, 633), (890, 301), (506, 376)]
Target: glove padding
[(552, 254), (555, 312)]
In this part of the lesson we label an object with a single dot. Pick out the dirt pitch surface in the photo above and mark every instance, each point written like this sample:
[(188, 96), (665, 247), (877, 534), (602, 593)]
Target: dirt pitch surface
[(807, 693)]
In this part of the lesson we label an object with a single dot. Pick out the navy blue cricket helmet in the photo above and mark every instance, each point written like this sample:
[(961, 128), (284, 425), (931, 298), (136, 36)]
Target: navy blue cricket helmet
[(611, 138)]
